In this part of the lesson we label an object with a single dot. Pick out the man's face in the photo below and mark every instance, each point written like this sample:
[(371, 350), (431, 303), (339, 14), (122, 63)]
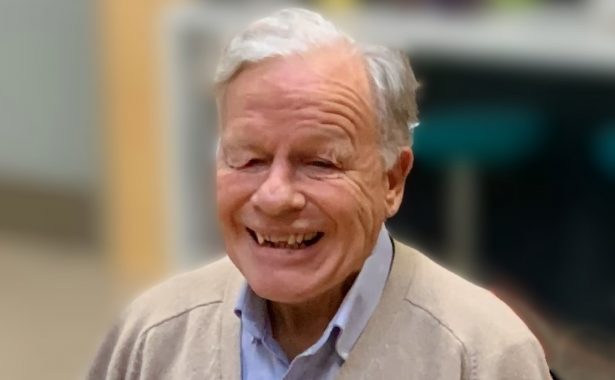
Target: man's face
[(300, 180)]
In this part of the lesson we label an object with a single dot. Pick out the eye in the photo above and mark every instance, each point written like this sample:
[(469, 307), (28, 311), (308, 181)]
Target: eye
[(253, 162), (246, 163), (324, 164)]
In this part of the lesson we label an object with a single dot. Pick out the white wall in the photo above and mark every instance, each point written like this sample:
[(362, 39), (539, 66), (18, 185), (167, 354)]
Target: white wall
[(48, 132)]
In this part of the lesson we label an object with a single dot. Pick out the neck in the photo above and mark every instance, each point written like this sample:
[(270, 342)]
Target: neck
[(298, 326)]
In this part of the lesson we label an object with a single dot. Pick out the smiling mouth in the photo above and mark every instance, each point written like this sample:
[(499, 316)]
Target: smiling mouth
[(294, 241)]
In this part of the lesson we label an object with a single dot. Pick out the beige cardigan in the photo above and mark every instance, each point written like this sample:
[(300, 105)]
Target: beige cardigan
[(430, 325)]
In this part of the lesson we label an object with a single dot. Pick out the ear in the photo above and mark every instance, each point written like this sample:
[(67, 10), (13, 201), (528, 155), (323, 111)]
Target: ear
[(396, 180)]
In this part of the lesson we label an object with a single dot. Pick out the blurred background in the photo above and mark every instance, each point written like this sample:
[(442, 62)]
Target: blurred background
[(107, 130)]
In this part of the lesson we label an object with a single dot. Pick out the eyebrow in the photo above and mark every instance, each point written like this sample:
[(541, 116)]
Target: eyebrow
[(316, 137), (243, 145), (338, 146)]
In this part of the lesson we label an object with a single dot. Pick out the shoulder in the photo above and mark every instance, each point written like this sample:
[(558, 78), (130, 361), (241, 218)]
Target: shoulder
[(180, 294), (475, 317), (161, 316), (494, 341)]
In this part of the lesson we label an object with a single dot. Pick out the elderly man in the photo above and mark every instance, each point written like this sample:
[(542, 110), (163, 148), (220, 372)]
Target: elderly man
[(314, 151)]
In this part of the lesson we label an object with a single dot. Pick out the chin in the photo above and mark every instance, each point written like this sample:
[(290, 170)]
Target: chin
[(279, 288)]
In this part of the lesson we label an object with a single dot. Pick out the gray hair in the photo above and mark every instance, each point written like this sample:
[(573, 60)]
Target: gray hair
[(294, 31)]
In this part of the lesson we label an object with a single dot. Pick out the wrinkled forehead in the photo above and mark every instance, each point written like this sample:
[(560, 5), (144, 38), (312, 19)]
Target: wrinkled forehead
[(336, 72)]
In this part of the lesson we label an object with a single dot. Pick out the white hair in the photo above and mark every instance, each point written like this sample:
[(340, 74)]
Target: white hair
[(294, 31)]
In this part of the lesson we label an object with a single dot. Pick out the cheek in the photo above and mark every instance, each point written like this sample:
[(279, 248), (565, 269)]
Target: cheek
[(354, 202), (366, 196), (366, 187), (233, 190)]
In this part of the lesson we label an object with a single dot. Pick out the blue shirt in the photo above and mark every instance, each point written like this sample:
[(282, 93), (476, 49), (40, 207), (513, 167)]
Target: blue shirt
[(262, 358)]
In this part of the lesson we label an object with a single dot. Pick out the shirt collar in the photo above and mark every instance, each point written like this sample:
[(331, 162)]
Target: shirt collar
[(364, 295), (252, 309), (352, 315)]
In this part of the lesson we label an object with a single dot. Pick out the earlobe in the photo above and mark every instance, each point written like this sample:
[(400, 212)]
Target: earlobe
[(396, 180)]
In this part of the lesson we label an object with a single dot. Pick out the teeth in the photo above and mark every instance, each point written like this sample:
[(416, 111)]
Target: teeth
[(286, 239)]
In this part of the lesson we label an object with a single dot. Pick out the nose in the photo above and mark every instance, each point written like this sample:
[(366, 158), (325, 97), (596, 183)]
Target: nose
[(277, 195)]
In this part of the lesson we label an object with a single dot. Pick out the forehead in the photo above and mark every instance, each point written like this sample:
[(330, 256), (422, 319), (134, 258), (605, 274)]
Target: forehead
[(334, 75)]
